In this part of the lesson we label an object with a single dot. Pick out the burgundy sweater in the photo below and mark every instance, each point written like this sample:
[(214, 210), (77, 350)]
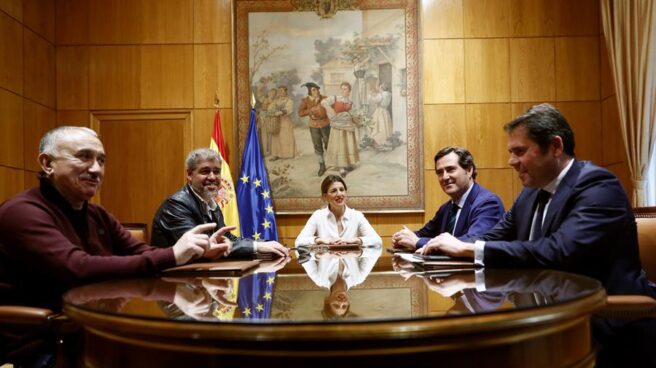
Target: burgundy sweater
[(46, 247)]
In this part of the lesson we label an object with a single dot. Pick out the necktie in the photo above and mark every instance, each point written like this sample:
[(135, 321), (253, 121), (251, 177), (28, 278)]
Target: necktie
[(451, 220), (541, 202)]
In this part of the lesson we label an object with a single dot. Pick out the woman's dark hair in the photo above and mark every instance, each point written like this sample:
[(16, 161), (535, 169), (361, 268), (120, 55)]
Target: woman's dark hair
[(325, 184)]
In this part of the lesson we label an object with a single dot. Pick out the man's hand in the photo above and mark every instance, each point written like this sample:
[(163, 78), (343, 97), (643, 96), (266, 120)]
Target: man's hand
[(405, 239), (274, 247), (220, 289), (451, 284), (192, 244), (192, 301), (446, 243), (220, 245)]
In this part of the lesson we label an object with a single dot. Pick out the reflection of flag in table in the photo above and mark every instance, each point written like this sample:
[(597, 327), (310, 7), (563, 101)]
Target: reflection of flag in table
[(226, 198), (257, 222)]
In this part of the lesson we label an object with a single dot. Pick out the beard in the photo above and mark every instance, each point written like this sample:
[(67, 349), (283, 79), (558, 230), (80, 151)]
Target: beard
[(208, 194)]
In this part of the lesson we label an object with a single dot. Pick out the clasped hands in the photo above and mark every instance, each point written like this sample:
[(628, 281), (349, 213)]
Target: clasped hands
[(195, 243), (444, 243)]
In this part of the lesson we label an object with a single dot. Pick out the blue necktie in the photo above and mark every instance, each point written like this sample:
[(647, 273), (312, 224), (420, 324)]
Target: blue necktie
[(451, 220), (540, 204)]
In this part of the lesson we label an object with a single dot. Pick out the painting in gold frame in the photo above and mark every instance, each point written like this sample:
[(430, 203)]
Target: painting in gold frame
[(364, 58)]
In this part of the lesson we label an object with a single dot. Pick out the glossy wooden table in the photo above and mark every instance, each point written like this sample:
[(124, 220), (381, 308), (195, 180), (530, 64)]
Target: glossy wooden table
[(536, 318)]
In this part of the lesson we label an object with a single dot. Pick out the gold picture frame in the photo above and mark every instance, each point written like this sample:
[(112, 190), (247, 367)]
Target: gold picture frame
[(282, 48)]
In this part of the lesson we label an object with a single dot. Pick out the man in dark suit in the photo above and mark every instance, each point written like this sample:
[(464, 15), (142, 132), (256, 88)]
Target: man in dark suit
[(194, 204), (572, 215), (472, 210)]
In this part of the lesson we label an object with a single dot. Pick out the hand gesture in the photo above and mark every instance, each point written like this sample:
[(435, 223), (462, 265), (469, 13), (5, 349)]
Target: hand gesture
[(192, 244), (220, 245)]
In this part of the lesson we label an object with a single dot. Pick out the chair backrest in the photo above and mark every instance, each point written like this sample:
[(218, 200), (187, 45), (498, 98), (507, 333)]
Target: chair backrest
[(646, 220), (138, 230)]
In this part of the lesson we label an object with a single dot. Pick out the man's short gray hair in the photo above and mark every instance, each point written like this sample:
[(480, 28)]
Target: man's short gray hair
[(49, 140), (201, 154)]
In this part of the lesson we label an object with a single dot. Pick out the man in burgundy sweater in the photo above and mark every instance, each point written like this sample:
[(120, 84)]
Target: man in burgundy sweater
[(52, 238)]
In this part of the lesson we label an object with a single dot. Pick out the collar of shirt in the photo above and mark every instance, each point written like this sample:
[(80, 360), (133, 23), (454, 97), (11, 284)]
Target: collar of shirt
[(207, 207), (463, 199), (345, 216), (551, 187)]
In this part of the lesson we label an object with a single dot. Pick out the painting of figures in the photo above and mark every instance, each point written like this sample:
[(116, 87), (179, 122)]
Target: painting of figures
[(335, 93)]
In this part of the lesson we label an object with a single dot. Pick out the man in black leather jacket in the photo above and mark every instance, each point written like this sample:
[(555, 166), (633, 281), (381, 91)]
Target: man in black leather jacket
[(194, 204)]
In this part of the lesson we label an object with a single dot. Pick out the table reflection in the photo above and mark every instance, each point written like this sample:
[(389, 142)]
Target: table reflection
[(355, 292), (338, 270)]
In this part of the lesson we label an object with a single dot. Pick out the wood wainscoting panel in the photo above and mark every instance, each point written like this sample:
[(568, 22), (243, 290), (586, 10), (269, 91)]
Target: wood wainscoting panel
[(443, 71), (13, 7), (11, 54), (486, 139), (145, 160), (73, 117), (444, 125), (576, 18), (166, 76), (72, 25), (577, 68), (114, 77), (72, 77), (534, 18), (487, 70), (39, 16), (585, 119), (533, 76), (37, 120), (167, 21), (11, 129), (212, 75), (38, 69), (115, 22), (503, 182), (212, 21), (442, 19), (11, 182), (487, 18)]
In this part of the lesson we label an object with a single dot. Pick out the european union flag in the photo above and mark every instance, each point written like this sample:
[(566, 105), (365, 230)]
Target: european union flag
[(258, 222)]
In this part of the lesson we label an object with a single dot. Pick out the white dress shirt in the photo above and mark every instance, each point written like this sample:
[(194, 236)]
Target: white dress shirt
[(323, 224)]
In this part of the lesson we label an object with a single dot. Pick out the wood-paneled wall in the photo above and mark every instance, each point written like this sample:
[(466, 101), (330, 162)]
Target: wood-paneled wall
[(27, 88), (484, 62)]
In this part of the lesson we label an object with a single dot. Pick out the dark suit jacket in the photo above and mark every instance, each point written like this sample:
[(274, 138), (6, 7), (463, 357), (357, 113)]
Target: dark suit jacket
[(482, 210), (589, 229), (182, 212)]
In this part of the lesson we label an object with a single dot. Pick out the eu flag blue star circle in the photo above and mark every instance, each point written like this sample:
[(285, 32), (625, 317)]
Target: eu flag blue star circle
[(258, 222)]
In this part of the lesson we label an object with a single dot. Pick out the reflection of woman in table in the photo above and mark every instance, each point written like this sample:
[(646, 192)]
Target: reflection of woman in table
[(382, 120), (342, 151)]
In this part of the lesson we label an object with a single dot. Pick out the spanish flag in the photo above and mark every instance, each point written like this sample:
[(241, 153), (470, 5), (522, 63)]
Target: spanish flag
[(227, 198)]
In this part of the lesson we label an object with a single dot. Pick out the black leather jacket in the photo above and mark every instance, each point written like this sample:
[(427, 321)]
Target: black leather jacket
[(183, 211)]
